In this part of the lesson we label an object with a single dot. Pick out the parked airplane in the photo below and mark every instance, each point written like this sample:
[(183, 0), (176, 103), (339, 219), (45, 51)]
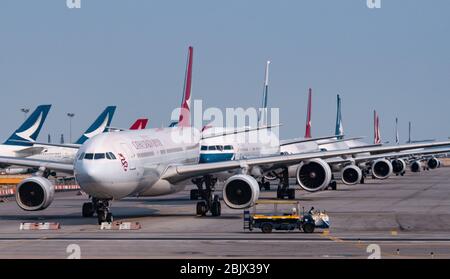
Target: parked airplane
[(154, 162)]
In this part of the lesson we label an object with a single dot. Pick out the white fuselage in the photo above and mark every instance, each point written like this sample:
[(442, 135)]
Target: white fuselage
[(140, 159)]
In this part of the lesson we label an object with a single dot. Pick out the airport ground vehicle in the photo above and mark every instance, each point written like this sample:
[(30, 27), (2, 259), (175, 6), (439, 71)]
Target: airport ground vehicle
[(282, 219)]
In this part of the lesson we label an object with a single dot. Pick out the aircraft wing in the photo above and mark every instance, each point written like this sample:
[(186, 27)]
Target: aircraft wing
[(393, 155), (180, 173), (29, 151), (33, 163), (303, 140), (403, 154), (239, 131)]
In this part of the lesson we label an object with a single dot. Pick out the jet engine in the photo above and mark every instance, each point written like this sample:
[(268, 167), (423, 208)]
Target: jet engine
[(34, 193), (433, 163), (416, 166), (240, 191), (381, 169), (313, 175), (351, 175), (398, 166)]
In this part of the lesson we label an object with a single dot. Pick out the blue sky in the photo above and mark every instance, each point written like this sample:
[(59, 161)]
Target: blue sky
[(132, 54)]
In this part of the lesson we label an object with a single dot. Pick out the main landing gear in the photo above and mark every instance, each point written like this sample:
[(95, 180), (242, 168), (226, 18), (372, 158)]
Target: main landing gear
[(210, 202), (283, 190), (101, 207)]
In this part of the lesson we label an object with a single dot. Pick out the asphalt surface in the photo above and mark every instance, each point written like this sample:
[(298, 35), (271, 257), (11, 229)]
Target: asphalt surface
[(402, 217)]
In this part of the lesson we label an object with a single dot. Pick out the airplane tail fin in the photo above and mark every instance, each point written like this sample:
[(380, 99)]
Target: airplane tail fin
[(376, 125), (140, 124), (185, 112), (28, 132), (262, 117), (308, 116), (339, 132), (397, 136), (99, 126)]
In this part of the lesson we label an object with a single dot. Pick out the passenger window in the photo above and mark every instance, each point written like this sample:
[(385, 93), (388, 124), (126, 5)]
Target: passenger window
[(99, 156), (212, 148), (89, 156), (204, 147)]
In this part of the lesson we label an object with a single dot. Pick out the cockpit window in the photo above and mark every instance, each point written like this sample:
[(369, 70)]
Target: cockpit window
[(99, 156), (204, 147), (113, 157), (89, 156), (81, 156), (219, 147), (212, 148), (228, 147), (108, 156)]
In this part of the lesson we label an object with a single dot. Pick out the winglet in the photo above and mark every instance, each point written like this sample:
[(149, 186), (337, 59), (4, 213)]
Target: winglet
[(28, 132), (99, 126), (185, 112)]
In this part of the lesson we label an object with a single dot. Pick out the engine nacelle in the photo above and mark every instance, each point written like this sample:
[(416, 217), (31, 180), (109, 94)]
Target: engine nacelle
[(34, 193), (240, 191), (398, 166), (351, 175), (381, 169), (416, 166), (313, 175), (433, 163)]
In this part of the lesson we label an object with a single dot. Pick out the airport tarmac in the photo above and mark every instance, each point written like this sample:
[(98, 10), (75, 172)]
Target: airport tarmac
[(407, 217)]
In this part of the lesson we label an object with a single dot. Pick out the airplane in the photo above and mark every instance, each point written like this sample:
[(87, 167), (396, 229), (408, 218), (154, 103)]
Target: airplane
[(65, 153), (233, 148), (155, 162)]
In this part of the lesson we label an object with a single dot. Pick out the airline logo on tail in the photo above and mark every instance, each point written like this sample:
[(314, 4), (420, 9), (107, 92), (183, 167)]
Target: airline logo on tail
[(27, 134), (140, 124), (99, 126), (339, 127), (308, 116), (377, 135), (185, 119)]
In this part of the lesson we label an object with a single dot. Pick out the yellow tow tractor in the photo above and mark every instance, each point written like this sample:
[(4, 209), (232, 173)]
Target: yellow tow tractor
[(286, 220)]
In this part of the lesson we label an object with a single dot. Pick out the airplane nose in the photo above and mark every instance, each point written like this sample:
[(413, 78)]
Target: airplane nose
[(101, 181), (90, 178)]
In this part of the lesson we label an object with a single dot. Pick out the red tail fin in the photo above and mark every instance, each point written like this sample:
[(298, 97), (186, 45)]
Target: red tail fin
[(185, 113), (376, 126), (308, 116), (140, 124)]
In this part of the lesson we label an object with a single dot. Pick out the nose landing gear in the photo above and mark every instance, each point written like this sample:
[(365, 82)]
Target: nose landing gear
[(101, 207)]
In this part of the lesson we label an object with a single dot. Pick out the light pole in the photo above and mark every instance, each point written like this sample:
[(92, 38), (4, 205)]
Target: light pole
[(25, 112), (70, 115)]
